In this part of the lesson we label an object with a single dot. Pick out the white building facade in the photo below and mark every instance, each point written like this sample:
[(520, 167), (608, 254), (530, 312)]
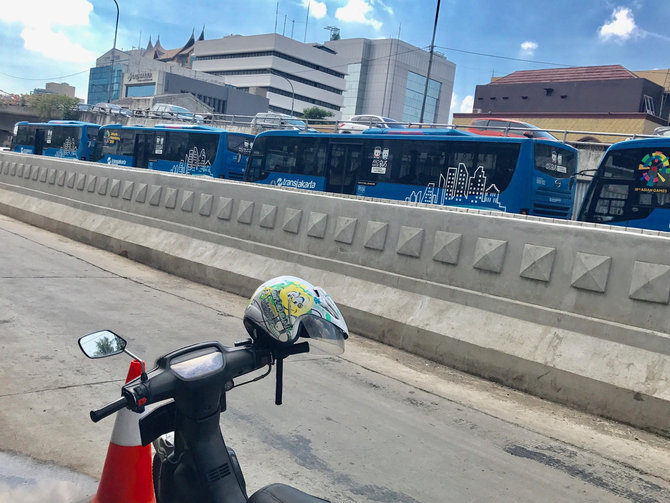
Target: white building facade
[(291, 74)]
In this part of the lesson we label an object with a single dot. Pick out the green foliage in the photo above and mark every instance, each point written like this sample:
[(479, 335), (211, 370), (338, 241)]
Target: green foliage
[(54, 106), (316, 113)]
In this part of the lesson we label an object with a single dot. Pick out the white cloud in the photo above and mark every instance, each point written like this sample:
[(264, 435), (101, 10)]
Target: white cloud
[(528, 48), (316, 9), (356, 11), (466, 105), (620, 26), (49, 26)]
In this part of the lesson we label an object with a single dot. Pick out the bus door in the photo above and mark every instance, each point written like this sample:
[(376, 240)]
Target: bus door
[(344, 163), (39, 141), (144, 148)]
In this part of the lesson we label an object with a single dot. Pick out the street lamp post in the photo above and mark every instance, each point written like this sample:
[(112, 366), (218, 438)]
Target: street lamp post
[(430, 62), (292, 91), (111, 70)]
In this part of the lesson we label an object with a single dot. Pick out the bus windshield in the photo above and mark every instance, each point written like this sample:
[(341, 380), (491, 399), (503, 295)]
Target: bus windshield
[(631, 183)]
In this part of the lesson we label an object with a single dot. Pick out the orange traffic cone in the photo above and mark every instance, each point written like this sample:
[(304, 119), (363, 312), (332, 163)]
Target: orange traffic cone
[(126, 476)]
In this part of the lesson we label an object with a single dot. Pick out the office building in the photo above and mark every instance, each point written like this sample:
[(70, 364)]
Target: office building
[(290, 74), (387, 77)]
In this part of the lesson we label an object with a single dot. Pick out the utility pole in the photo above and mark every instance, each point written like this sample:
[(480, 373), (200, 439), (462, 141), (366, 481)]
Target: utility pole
[(430, 62), (111, 70)]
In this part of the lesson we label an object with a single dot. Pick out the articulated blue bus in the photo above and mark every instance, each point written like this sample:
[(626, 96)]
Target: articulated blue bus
[(631, 187), (444, 167), (185, 149), (56, 138)]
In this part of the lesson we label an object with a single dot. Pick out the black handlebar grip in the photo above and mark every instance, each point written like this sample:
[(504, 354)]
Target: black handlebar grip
[(110, 408)]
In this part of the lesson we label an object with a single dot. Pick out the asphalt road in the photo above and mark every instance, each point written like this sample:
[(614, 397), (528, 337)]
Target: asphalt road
[(376, 425)]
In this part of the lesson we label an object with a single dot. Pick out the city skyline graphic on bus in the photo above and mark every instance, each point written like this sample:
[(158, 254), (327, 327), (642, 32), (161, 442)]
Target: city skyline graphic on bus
[(195, 162), (459, 186), (69, 148)]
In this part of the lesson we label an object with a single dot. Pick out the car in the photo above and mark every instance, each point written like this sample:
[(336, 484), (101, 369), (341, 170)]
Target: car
[(165, 110), (507, 127), (107, 108), (275, 120), (359, 123)]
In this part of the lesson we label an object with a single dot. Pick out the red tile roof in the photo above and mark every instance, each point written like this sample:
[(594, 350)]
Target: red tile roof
[(567, 74)]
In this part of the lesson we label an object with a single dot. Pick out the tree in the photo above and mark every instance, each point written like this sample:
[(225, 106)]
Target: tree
[(54, 106), (316, 113)]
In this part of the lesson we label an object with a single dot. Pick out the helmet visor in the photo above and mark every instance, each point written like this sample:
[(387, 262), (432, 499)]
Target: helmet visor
[(324, 336)]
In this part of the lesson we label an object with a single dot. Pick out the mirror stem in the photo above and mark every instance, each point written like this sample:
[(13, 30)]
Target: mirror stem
[(143, 376)]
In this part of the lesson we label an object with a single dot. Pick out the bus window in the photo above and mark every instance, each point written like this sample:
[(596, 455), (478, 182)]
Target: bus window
[(344, 163), (557, 162), (239, 144)]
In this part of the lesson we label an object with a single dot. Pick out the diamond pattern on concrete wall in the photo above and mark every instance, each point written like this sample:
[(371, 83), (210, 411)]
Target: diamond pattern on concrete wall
[(206, 203), (127, 190), (52, 176), (81, 181), (650, 282), (447, 247), (155, 195), (187, 201), (292, 220), (410, 241), (171, 198), (19, 170), (142, 189), (43, 174), (245, 212), (225, 208), (60, 178), (591, 272), (537, 262), (345, 229), (268, 216), (5, 167), (116, 188), (489, 254), (35, 173), (375, 235), (316, 224), (92, 182), (27, 170), (104, 183)]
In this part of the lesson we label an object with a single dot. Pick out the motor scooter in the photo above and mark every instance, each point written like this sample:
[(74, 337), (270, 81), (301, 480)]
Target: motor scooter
[(192, 462)]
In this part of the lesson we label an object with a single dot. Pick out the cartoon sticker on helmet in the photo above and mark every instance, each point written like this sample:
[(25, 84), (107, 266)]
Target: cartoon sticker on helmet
[(281, 304)]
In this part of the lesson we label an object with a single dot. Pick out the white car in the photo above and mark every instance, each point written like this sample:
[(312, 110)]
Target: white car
[(359, 123)]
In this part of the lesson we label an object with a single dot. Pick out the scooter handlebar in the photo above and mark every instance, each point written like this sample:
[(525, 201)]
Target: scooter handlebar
[(109, 409)]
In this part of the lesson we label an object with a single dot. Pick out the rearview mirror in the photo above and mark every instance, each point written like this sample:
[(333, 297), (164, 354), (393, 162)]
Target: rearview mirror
[(102, 344)]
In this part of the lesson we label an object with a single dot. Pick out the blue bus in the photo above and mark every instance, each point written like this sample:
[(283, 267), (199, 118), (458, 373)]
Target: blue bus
[(443, 167), (631, 186), (185, 149), (56, 138)]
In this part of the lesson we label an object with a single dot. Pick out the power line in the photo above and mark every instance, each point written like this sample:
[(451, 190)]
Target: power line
[(503, 57), (45, 78)]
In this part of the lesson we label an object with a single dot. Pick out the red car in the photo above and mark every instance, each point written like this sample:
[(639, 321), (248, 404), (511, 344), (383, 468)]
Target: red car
[(507, 127)]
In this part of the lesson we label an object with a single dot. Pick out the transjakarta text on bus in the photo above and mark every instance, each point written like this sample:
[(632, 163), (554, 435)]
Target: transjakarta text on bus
[(631, 187), (192, 150), (445, 167), (57, 138)]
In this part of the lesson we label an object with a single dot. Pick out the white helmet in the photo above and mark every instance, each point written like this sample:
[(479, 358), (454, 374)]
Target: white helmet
[(286, 307)]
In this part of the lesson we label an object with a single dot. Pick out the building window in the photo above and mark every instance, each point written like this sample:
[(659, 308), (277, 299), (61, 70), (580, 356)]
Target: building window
[(140, 91), (416, 85)]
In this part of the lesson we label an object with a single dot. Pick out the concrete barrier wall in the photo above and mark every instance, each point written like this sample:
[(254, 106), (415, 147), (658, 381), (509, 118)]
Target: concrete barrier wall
[(575, 313)]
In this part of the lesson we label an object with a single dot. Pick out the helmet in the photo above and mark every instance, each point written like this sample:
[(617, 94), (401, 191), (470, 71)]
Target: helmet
[(286, 307)]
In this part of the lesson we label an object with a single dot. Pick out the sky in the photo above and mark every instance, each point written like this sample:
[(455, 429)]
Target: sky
[(58, 40)]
